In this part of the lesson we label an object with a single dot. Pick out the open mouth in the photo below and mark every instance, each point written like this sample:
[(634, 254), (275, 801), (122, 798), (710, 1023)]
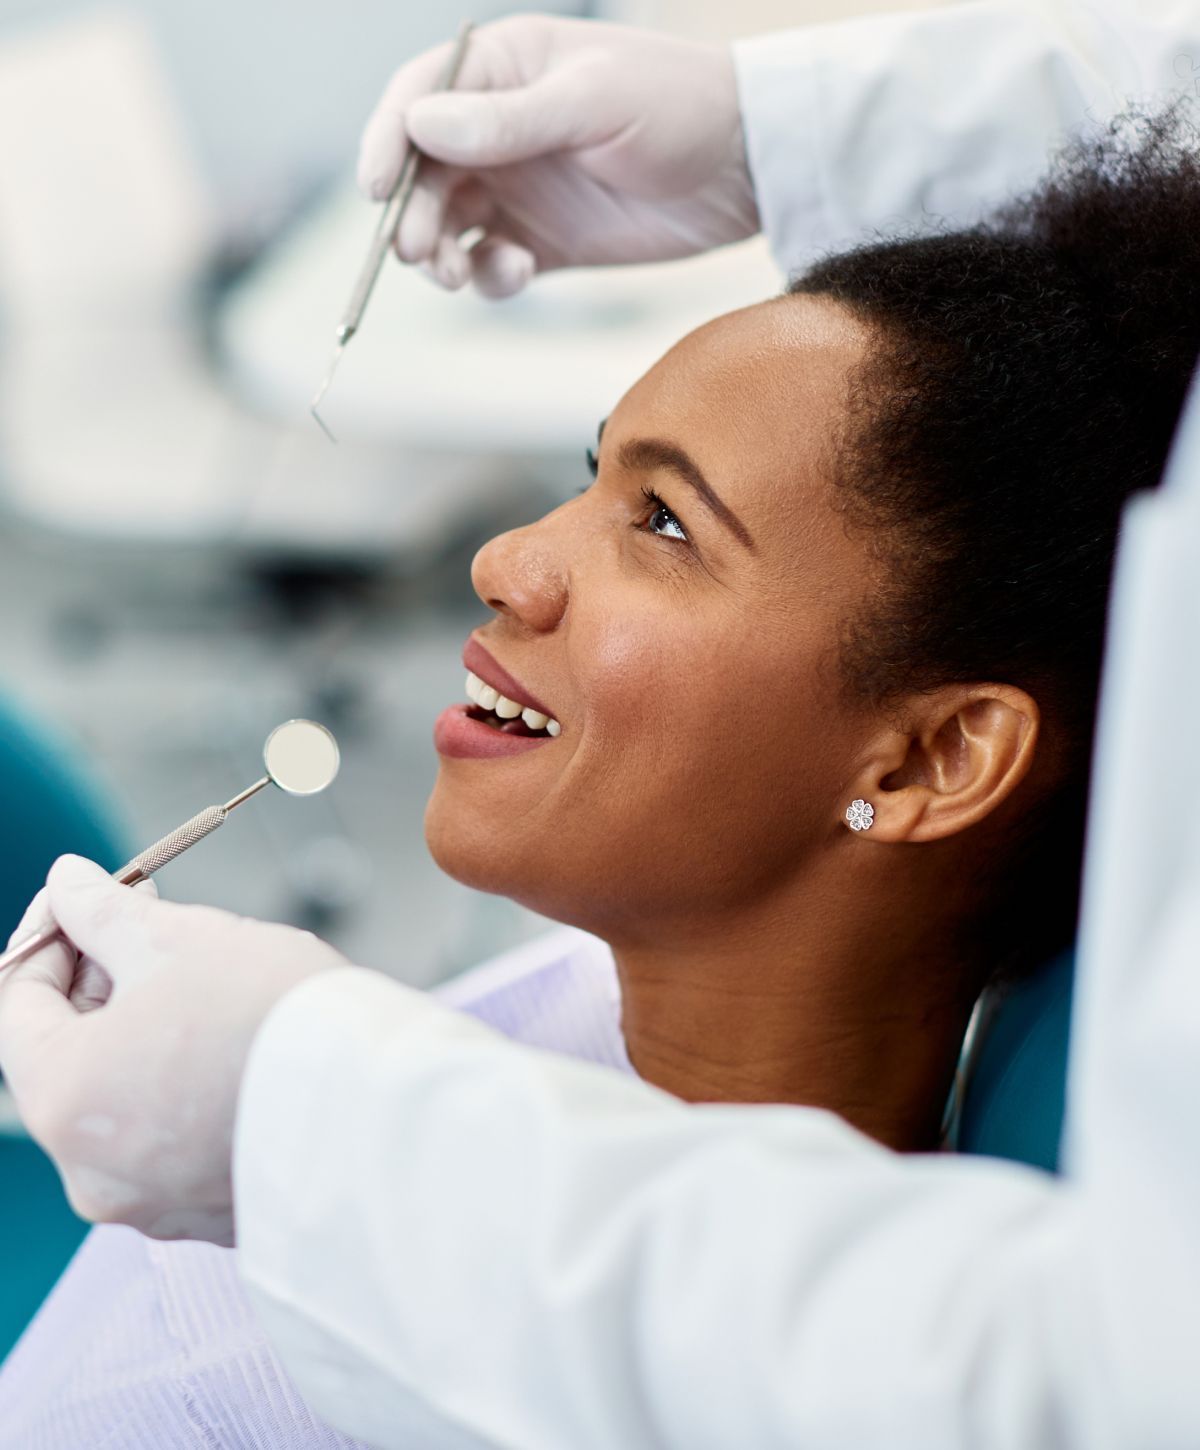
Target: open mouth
[(509, 717)]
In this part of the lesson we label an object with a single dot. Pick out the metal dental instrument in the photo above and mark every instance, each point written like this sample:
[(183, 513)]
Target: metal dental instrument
[(301, 758), (385, 234)]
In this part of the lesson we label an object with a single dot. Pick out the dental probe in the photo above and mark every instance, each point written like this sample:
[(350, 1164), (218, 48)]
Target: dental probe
[(301, 758), (385, 234)]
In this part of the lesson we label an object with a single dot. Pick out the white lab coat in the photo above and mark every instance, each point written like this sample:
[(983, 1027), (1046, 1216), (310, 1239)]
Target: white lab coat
[(454, 1241)]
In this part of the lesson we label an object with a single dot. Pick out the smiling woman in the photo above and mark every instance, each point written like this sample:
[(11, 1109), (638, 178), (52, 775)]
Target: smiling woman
[(790, 709), (845, 549)]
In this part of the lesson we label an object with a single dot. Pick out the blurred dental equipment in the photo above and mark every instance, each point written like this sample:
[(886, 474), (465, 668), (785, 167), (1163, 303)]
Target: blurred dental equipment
[(164, 447), (385, 234), (301, 758), (102, 333)]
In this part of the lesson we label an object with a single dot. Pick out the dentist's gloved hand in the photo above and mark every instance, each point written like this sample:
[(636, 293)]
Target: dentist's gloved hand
[(566, 142), (126, 1062)]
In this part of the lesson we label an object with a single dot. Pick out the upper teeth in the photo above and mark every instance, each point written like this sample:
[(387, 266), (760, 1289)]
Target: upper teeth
[(490, 699)]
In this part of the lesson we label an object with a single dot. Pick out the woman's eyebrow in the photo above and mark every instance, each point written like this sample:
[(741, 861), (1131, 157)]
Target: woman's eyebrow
[(650, 453)]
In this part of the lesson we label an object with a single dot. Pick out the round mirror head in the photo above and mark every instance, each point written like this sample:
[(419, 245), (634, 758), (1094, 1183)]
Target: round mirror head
[(301, 757)]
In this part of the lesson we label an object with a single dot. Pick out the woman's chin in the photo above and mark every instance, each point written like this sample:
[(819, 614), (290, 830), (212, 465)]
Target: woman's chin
[(467, 849), (468, 846)]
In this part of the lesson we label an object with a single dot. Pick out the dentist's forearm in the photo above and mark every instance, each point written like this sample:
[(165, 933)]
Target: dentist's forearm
[(446, 1233)]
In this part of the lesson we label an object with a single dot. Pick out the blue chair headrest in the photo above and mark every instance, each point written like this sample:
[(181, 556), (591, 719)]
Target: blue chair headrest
[(1012, 1106), (49, 806)]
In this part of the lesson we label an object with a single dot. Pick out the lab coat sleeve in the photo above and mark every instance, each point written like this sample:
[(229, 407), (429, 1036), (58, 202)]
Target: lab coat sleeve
[(455, 1241), (1134, 1080), (894, 122)]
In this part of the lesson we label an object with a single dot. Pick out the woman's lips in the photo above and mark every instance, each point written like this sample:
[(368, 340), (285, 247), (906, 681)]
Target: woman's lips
[(457, 735), (460, 733), (480, 663)]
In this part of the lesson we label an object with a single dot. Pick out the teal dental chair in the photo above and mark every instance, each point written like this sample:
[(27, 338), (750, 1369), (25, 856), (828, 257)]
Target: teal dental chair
[(49, 807), (1013, 1103)]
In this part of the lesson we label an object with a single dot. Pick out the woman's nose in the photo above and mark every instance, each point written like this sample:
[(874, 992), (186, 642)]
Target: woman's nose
[(517, 574)]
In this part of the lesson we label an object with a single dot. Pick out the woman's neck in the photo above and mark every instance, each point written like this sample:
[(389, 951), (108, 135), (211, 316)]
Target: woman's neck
[(832, 1009)]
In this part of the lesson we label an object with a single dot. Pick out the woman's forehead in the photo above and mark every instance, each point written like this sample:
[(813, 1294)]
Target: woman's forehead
[(756, 398), (769, 377)]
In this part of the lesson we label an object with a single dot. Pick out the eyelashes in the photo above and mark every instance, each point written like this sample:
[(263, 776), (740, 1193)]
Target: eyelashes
[(672, 528)]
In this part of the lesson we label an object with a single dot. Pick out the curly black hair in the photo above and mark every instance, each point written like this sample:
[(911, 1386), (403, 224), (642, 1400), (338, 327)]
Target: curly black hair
[(1027, 378)]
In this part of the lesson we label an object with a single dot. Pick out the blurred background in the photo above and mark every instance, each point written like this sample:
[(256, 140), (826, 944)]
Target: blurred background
[(185, 560)]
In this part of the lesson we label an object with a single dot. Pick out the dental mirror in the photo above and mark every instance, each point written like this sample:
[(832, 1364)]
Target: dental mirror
[(301, 758)]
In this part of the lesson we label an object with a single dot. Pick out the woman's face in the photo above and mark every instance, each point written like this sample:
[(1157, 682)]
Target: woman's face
[(680, 620)]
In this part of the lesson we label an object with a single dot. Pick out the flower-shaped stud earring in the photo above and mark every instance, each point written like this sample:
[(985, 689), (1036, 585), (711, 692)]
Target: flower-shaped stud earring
[(861, 815)]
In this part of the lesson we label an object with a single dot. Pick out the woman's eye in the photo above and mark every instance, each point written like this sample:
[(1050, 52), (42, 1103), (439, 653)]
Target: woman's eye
[(661, 520)]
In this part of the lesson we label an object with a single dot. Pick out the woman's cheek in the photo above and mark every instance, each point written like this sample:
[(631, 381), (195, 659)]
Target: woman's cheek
[(626, 665), (660, 695)]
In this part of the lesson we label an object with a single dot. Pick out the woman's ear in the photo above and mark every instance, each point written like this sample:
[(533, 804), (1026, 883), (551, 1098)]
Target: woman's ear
[(966, 749)]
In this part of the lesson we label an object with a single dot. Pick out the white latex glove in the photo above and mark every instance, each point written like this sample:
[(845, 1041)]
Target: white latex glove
[(565, 142), (126, 1064)]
